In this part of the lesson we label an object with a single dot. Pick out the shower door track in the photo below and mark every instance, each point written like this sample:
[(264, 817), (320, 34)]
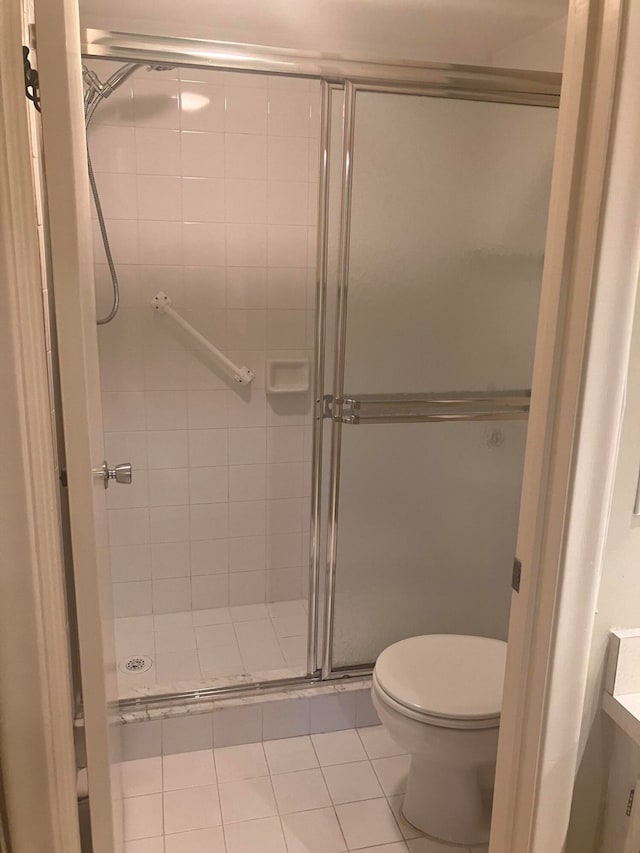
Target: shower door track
[(186, 698), (513, 86)]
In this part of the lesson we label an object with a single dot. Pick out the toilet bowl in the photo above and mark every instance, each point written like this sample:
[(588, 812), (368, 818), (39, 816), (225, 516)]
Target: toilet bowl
[(439, 696)]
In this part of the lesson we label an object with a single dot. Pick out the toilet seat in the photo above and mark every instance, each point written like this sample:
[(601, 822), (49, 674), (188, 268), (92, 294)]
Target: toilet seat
[(448, 680)]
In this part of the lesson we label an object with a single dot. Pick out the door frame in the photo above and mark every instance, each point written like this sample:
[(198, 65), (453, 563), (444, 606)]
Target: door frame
[(69, 240), (552, 514), (36, 724), (572, 444)]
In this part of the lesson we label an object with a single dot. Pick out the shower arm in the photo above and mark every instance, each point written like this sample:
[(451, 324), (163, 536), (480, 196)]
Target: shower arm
[(162, 304), (97, 91), (95, 86)]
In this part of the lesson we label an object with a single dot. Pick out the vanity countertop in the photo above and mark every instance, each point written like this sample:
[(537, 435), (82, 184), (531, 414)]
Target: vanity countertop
[(621, 699), (625, 711)]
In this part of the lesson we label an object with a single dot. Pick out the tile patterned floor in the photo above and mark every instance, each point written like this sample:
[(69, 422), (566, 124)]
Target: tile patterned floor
[(327, 793), (213, 644)]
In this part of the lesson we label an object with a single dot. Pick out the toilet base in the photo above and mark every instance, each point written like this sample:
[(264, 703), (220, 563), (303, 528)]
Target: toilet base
[(452, 846), (451, 803)]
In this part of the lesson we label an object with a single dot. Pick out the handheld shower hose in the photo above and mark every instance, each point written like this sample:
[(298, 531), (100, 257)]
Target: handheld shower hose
[(95, 92)]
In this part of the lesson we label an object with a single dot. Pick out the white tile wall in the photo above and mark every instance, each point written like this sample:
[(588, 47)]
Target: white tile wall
[(208, 183)]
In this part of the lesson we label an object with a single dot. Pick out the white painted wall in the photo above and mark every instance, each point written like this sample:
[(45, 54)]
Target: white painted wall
[(542, 50), (595, 822), (618, 606), (463, 31)]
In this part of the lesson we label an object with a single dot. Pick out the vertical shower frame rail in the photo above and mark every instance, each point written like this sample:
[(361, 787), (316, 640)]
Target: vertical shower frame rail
[(338, 373), (318, 385), (335, 74)]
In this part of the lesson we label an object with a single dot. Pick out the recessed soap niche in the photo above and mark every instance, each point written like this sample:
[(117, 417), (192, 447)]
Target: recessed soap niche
[(287, 375)]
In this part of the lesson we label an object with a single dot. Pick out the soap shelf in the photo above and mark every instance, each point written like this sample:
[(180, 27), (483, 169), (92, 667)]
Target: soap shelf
[(287, 375)]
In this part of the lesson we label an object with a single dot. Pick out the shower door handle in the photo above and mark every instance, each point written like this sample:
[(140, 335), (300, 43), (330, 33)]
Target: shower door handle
[(122, 473)]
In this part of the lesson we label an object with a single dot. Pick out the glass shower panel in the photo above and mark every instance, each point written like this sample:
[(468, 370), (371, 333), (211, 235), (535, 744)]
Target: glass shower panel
[(448, 220), (448, 217), (426, 535), (215, 525)]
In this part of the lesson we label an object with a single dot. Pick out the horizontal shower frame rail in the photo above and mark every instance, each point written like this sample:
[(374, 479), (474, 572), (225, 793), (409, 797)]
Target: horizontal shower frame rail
[(438, 398), (514, 414), (430, 408), (540, 88)]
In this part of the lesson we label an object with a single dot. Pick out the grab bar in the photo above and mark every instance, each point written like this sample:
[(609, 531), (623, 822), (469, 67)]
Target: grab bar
[(162, 304), (429, 408)]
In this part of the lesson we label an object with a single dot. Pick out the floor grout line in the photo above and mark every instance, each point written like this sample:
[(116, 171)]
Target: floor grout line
[(279, 813), (333, 806)]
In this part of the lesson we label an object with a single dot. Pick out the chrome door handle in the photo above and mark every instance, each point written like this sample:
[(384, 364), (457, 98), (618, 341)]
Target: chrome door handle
[(122, 473)]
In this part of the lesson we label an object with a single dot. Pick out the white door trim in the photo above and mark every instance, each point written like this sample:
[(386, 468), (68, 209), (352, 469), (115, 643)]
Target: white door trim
[(551, 617), (69, 230), (36, 724)]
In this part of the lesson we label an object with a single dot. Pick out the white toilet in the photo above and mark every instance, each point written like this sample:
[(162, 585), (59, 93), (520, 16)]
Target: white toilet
[(439, 696)]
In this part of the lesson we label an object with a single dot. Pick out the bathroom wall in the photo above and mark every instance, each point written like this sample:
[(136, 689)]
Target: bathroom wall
[(609, 760), (209, 186), (464, 31), (541, 50)]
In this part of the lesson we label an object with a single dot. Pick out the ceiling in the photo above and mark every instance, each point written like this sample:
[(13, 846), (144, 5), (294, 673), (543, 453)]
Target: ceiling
[(464, 31)]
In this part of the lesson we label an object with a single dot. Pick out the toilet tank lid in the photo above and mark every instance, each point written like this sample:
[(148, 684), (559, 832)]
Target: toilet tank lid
[(446, 675)]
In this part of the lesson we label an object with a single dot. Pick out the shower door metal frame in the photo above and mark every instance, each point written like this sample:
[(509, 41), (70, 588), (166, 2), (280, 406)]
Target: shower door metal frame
[(335, 73), (414, 408), (513, 85)]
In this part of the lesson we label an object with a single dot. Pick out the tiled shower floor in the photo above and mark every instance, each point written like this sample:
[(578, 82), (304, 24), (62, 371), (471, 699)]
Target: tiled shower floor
[(328, 793), (216, 646)]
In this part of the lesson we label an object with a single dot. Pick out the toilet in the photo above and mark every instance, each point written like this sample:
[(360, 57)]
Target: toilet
[(439, 696)]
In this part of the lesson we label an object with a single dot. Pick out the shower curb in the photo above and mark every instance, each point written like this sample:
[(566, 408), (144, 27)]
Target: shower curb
[(250, 719)]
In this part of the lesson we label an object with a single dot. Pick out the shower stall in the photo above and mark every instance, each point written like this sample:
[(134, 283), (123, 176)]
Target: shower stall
[(366, 239)]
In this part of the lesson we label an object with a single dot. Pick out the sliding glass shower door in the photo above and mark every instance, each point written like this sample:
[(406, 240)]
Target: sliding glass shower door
[(444, 216)]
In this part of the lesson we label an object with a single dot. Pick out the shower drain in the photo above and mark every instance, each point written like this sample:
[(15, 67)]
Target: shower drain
[(135, 663)]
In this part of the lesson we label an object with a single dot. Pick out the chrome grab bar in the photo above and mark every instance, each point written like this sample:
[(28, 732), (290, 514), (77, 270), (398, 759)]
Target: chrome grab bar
[(429, 408), (162, 304)]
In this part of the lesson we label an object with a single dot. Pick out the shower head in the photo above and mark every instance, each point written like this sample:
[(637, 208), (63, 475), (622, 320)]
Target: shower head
[(95, 92), (101, 90), (97, 89)]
